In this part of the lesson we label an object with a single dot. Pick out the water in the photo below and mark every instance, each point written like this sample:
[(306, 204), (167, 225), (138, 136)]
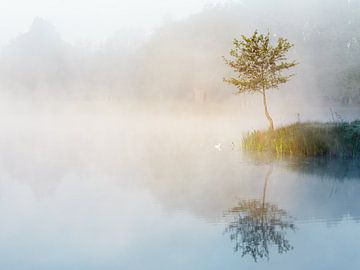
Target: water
[(120, 191)]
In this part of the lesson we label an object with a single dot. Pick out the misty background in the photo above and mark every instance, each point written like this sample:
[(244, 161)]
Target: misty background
[(180, 59)]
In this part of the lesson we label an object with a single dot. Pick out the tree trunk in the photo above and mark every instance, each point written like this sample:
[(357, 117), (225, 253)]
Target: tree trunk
[(271, 123)]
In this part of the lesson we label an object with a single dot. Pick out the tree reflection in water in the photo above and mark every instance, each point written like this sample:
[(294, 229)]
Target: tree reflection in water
[(257, 225)]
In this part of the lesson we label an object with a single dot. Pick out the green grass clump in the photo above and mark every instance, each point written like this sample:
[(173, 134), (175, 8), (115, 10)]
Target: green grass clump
[(308, 139)]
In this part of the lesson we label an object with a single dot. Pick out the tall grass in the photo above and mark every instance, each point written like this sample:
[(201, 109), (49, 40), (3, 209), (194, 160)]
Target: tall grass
[(307, 139)]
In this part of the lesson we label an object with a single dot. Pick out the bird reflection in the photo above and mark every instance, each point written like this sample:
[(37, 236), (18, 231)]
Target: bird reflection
[(257, 225)]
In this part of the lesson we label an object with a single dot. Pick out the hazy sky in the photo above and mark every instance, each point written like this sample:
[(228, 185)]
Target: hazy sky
[(95, 20)]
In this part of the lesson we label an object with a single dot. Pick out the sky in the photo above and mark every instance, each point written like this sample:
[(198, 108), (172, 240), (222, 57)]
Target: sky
[(83, 21)]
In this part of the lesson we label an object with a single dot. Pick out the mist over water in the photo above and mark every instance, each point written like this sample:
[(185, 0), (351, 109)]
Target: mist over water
[(127, 155), (96, 190)]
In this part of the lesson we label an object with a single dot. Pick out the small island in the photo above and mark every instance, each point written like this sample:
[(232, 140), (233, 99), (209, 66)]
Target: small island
[(310, 139), (259, 66)]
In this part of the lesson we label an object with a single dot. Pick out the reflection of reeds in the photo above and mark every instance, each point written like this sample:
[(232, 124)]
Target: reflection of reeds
[(308, 139), (330, 168)]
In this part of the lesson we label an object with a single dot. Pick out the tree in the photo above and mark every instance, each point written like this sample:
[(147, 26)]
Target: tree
[(259, 65)]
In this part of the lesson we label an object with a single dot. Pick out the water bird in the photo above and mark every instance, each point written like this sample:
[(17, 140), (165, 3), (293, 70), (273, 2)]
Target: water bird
[(218, 146)]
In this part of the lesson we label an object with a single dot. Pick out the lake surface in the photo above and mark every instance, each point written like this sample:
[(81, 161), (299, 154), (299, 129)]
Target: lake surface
[(120, 191)]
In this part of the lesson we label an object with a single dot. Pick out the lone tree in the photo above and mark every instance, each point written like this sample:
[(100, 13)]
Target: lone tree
[(259, 65)]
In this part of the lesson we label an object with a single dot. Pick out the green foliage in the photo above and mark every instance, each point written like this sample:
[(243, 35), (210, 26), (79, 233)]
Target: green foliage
[(257, 64), (308, 139)]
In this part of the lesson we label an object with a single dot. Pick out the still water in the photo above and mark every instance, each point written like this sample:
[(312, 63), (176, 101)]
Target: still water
[(115, 191)]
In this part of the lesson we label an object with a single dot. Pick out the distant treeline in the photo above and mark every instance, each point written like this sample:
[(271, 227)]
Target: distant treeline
[(183, 59)]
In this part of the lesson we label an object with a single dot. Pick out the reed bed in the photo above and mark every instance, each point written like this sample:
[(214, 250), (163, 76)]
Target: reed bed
[(337, 139)]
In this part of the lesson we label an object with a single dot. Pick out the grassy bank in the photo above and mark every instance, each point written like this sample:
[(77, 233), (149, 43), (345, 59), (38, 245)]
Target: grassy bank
[(308, 139)]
